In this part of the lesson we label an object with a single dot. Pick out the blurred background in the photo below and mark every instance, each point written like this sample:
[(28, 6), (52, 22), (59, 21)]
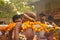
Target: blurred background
[(8, 8)]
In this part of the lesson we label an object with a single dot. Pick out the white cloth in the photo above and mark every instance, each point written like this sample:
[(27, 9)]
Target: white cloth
[(49, 26), (42, 33)]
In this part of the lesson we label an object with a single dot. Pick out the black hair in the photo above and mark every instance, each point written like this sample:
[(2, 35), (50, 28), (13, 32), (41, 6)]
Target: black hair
[(42, 14), (17, 17), (50, 17), (1, 22)]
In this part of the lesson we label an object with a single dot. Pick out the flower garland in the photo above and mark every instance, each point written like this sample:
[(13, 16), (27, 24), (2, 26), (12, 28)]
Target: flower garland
[(8, 28), (31, 25), (3, 28)]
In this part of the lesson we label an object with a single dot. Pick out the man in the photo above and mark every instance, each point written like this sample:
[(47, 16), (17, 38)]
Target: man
[(42, 18), (28, 32), (18, 20), (51, 20), (51, 24)]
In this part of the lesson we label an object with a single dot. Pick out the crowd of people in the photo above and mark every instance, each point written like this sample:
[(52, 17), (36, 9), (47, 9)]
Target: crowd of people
[(30, 26)]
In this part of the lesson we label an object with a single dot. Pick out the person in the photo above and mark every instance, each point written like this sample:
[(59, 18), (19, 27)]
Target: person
[(2, 35), (51, 24), (15, 27), (1, 22), (28, 17), (42, 18), (18, 20), (51, 20), (2, 31)]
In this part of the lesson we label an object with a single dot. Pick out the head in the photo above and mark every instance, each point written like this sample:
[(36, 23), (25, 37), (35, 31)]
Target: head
[(50, 18), (42, 16), (1, 22), (29, 16), (17, 18)]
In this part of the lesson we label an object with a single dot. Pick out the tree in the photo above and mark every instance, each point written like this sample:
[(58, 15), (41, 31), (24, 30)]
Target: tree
[(6, 9), (10, 8), (22, 5)]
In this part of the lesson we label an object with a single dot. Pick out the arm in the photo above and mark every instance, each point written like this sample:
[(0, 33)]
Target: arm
[(16, 31)]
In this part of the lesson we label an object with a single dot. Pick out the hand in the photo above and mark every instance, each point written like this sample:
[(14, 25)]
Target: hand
[(18, 23)]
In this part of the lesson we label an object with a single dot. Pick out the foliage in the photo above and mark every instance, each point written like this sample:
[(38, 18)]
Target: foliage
[(23, 5), (7, 10)]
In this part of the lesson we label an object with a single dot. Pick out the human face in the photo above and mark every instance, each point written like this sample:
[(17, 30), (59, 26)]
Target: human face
[(44, 17), (18, 20), (24, 19)]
